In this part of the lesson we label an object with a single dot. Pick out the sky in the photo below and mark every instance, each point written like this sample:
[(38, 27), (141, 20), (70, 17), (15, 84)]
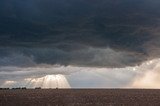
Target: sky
[(80, 43)]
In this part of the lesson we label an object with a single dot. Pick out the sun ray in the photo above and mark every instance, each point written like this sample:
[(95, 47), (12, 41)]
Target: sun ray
[(48, 81)]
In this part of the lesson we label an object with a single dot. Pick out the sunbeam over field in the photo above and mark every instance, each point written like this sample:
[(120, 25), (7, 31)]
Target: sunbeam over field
[(48, 81)]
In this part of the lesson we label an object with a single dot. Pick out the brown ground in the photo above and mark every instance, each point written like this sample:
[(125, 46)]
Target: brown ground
[(77, 97)]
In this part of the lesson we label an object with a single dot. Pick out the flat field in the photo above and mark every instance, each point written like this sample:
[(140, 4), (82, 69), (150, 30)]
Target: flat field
[(80, 97)]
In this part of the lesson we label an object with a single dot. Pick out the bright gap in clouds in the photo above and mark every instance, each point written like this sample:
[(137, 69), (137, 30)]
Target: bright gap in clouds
[(147, 75), (48, 81)]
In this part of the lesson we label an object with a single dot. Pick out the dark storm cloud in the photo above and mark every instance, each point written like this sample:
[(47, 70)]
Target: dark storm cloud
[(24, 57), (102, 33)]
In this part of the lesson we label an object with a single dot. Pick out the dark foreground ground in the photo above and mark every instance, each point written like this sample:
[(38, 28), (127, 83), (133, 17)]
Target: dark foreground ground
[(77, 97)]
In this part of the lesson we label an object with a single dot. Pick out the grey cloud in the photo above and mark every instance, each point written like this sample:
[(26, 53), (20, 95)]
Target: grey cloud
[(62, 32), (95, 57), (13, 73), (17, 60)]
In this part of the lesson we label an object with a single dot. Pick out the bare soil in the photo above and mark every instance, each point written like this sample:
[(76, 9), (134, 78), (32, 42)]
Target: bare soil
[(80, 97)]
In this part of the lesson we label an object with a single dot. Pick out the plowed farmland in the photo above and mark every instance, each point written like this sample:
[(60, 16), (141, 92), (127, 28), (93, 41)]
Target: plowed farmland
[(80, 97)]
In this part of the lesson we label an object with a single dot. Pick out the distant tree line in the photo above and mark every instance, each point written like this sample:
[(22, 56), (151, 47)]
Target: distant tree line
[(23, 88)]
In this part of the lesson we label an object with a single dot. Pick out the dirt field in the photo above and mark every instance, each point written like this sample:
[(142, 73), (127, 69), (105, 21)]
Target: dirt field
[(77, 97)]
